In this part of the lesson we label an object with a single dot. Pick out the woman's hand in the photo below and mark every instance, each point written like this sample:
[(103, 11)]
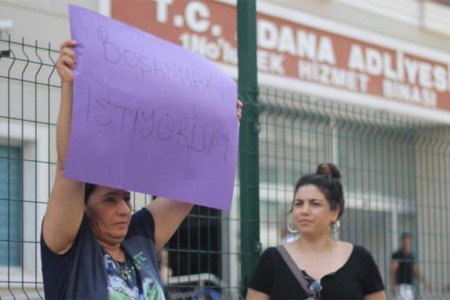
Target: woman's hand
[(66, 62), (239, 109)]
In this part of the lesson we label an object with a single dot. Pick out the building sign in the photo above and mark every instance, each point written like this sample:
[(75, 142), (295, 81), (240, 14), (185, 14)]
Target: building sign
[(293, 50)]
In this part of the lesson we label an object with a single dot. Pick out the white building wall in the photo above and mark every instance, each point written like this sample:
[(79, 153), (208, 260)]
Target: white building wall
[(46, 21), (397, 19)]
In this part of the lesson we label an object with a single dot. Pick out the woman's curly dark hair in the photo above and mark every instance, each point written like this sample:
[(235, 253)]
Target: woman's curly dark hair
[(328, 179)]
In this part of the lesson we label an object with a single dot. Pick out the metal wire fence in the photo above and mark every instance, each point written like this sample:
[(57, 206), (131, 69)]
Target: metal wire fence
[(395, 175), (28, 103), (396, 178)]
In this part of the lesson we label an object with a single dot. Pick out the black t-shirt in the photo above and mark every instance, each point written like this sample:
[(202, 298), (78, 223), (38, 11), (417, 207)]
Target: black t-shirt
[(87, 272), (358, 277), (404, 274)]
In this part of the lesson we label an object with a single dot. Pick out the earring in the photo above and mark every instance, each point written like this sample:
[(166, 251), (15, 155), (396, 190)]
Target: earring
[(291, 228), (335, 227)]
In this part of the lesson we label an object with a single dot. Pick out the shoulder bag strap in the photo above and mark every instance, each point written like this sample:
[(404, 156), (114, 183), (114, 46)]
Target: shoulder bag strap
[(294, 269)]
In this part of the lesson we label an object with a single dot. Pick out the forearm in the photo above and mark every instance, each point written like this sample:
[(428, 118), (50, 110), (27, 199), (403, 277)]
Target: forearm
[(394, 282), (421, 278), (65, 207), (168, 215), (63, 124)]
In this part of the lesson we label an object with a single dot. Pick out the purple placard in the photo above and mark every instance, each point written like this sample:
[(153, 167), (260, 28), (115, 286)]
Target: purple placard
[(150, 116)]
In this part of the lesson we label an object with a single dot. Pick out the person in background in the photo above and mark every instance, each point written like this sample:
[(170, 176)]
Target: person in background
[(316, 266), (404, 270)]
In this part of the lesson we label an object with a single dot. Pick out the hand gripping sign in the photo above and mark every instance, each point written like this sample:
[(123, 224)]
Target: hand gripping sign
[(150, 116)]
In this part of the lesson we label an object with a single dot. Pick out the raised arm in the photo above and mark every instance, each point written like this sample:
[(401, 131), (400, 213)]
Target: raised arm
[(168, 215), (65, 207)]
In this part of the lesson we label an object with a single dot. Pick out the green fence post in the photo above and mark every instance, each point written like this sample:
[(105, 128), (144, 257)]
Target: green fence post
[(248, 146)]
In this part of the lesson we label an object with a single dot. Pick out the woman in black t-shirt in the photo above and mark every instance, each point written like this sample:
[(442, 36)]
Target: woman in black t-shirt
[(316, 266)]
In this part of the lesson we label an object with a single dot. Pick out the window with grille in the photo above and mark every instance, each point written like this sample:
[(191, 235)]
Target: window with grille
[(11, 208)]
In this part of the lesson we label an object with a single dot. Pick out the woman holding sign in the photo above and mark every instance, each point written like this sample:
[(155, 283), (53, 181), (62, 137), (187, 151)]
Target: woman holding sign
[(317, 266), (92, 246)]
